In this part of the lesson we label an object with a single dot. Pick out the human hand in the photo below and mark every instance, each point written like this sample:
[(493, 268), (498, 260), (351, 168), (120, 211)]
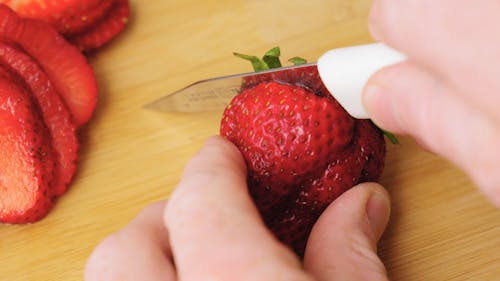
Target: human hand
[(211, 230), (446, 95)]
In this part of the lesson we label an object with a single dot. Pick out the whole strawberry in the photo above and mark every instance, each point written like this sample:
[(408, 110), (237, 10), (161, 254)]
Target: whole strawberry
[(301, 147)]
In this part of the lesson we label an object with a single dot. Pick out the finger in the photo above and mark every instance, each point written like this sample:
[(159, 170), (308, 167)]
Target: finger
[(405, 98), (343, 243), (215, 230), (458, 40), (140, 251)]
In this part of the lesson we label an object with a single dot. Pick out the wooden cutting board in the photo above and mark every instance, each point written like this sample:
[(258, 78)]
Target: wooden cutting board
[(441, 227)]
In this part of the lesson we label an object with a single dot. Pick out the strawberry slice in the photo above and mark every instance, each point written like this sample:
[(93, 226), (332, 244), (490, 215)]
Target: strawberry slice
[(64, 15), (64, 64), (55, 114), (81, 18), (25, 156), (104, 30)]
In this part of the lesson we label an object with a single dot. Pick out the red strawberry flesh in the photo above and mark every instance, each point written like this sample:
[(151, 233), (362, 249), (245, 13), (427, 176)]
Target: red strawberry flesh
[(104, 29), (25, 156), (64, 15), (55, 114), (78, 19)]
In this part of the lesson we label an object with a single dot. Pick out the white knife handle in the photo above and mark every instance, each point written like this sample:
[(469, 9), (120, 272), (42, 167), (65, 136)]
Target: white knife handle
[(345, 72)]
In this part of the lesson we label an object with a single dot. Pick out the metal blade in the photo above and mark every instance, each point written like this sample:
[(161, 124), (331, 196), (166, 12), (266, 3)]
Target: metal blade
[(210, 94)]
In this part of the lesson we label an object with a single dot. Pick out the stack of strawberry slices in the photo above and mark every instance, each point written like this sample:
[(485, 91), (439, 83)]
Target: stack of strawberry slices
[(47, 91)]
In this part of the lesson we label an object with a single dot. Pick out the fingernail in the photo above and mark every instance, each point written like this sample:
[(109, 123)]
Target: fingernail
[(378, 209)]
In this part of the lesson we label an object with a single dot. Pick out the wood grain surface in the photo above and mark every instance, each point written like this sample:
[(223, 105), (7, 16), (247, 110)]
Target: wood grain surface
[(441, 227)]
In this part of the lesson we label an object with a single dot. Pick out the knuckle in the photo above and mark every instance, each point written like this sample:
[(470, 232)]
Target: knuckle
[(366, 256), (152, 210), (101, 264), (184, 204), (484, 173)]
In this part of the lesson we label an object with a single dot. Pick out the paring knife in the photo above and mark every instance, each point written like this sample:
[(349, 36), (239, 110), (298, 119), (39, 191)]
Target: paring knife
[(344, 72)]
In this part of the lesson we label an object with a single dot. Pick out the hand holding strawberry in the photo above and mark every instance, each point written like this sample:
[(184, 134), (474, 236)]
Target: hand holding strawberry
[(212, 230), (294, 150)]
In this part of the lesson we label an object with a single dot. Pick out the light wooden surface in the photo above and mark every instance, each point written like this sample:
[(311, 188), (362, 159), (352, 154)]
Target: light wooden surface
[(441, 228)]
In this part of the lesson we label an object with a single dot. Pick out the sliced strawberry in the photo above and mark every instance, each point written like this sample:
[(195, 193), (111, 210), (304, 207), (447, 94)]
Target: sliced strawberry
[(55, 114), (78, 19), (67, 16), (64, 64), (26, 158), (104, 30)]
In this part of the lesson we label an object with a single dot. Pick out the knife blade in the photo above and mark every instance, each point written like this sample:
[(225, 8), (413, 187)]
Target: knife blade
[(344, 72), (211, 94)]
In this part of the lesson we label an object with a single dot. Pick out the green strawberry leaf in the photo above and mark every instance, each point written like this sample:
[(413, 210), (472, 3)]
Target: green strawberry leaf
[(274, 52), (257, 63), (390, 136), (297, 60), (272, 58)]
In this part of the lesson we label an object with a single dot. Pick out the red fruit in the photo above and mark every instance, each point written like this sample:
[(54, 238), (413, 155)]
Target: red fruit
[(66, 16), (64, 64), (282, 127), (302, 149), (83, 16), (104, 29), (26, 158), (55, 114)]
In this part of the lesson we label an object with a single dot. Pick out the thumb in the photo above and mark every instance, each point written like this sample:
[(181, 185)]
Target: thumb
[(343, 243)]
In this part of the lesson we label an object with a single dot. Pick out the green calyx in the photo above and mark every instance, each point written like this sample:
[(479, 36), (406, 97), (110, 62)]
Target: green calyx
[(390, 136), (271, 59)]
